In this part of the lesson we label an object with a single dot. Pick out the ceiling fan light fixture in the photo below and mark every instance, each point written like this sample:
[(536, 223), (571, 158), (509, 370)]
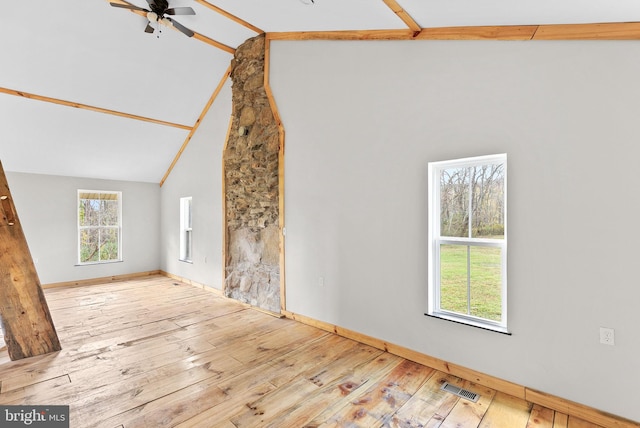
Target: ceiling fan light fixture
[(152, 16)]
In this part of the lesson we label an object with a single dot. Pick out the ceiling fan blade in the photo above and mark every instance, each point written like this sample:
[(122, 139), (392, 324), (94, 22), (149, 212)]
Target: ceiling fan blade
[(184, 30), (149, 28), (128, 6), (180, 11)]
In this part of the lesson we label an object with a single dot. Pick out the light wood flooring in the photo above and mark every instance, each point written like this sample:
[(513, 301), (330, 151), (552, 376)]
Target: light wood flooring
[(158, 353)]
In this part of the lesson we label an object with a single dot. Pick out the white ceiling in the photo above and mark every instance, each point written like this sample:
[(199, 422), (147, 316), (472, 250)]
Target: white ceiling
[(85, 51)]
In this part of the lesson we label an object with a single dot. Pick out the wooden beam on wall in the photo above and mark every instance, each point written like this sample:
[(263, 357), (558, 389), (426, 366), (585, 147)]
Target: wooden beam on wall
[(230, 16), (197, 124), (91, 108), (403, 15)]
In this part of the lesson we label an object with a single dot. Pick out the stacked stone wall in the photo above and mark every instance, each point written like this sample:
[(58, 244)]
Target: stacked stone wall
[(251, 185)]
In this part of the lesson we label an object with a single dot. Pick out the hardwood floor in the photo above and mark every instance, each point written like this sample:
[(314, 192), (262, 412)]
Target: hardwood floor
[(158, 353)]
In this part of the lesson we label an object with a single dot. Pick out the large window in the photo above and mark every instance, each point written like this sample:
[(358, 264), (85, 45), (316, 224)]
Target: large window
[(99, 226), (186, 231), (468, 241)]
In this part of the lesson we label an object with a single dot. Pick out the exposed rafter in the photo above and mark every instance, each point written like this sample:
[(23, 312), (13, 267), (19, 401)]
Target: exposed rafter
[(212, 42), (402, 14), (88, 107), (230, 16), (343, 35), (599, 31), (197, 124)]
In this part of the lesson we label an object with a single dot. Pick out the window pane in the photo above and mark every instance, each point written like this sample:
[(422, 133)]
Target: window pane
[(187, 249), (188, 213), (453, 278), (487, 215), (108, 244), (486, 282), (109, 213), (88, 214), (89, 245), (454, 202)]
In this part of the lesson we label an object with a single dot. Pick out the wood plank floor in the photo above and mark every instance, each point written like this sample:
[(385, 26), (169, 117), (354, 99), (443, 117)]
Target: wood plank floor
[(158, 353)]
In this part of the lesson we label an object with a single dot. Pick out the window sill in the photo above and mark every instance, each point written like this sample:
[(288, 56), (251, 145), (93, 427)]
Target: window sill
[(470, 322), (186, 261), (98, 263)]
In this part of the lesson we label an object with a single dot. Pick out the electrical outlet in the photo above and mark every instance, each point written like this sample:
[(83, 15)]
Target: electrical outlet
[(321, 281), (607, 336)]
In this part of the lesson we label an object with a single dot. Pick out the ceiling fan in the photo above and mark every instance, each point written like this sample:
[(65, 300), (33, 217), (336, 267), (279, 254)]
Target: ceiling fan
[(160, 8)]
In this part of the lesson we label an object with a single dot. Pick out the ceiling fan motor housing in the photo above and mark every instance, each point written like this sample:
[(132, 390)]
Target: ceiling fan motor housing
[(159, 6)]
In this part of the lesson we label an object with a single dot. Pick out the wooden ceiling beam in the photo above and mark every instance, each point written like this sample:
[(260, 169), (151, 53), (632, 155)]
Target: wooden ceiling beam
[(402, 14), (522, 32), (230, 16), (343, 35), (602, 31), (91, 108), (212, 42), (598, 31), (205, 110)]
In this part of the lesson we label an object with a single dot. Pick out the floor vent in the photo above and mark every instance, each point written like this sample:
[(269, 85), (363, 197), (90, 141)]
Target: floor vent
[(463, 393)]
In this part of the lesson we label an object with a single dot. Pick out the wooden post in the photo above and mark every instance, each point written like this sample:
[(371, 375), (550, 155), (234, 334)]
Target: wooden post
[(27, 324)]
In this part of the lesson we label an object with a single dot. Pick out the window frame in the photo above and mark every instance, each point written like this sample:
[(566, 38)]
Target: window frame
[(186, 229), (435, 240), (80, 228)]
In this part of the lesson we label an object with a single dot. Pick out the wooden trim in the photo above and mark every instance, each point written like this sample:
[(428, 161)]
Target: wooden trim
[(225, 229), (221, 294), (91, 108), (191, 282), (602, 31), (267, 86), (403, 15), (230, 16), (546, 400), (281, 222), (205, 110), (578, 410), (103, 280)]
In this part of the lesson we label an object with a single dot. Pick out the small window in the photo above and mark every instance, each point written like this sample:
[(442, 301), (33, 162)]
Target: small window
[(186, 241), (99, 226), (468, 241)]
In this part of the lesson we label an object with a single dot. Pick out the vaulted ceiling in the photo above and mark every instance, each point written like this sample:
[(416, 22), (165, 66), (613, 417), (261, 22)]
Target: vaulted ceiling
[(85, 92)]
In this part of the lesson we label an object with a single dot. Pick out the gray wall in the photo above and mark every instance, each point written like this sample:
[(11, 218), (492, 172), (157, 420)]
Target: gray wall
[(47, 207), (362, 121), (198, 174)]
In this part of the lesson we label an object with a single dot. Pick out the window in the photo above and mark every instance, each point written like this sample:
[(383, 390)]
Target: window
[(99, 226), (468, 241), (186, 242)]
